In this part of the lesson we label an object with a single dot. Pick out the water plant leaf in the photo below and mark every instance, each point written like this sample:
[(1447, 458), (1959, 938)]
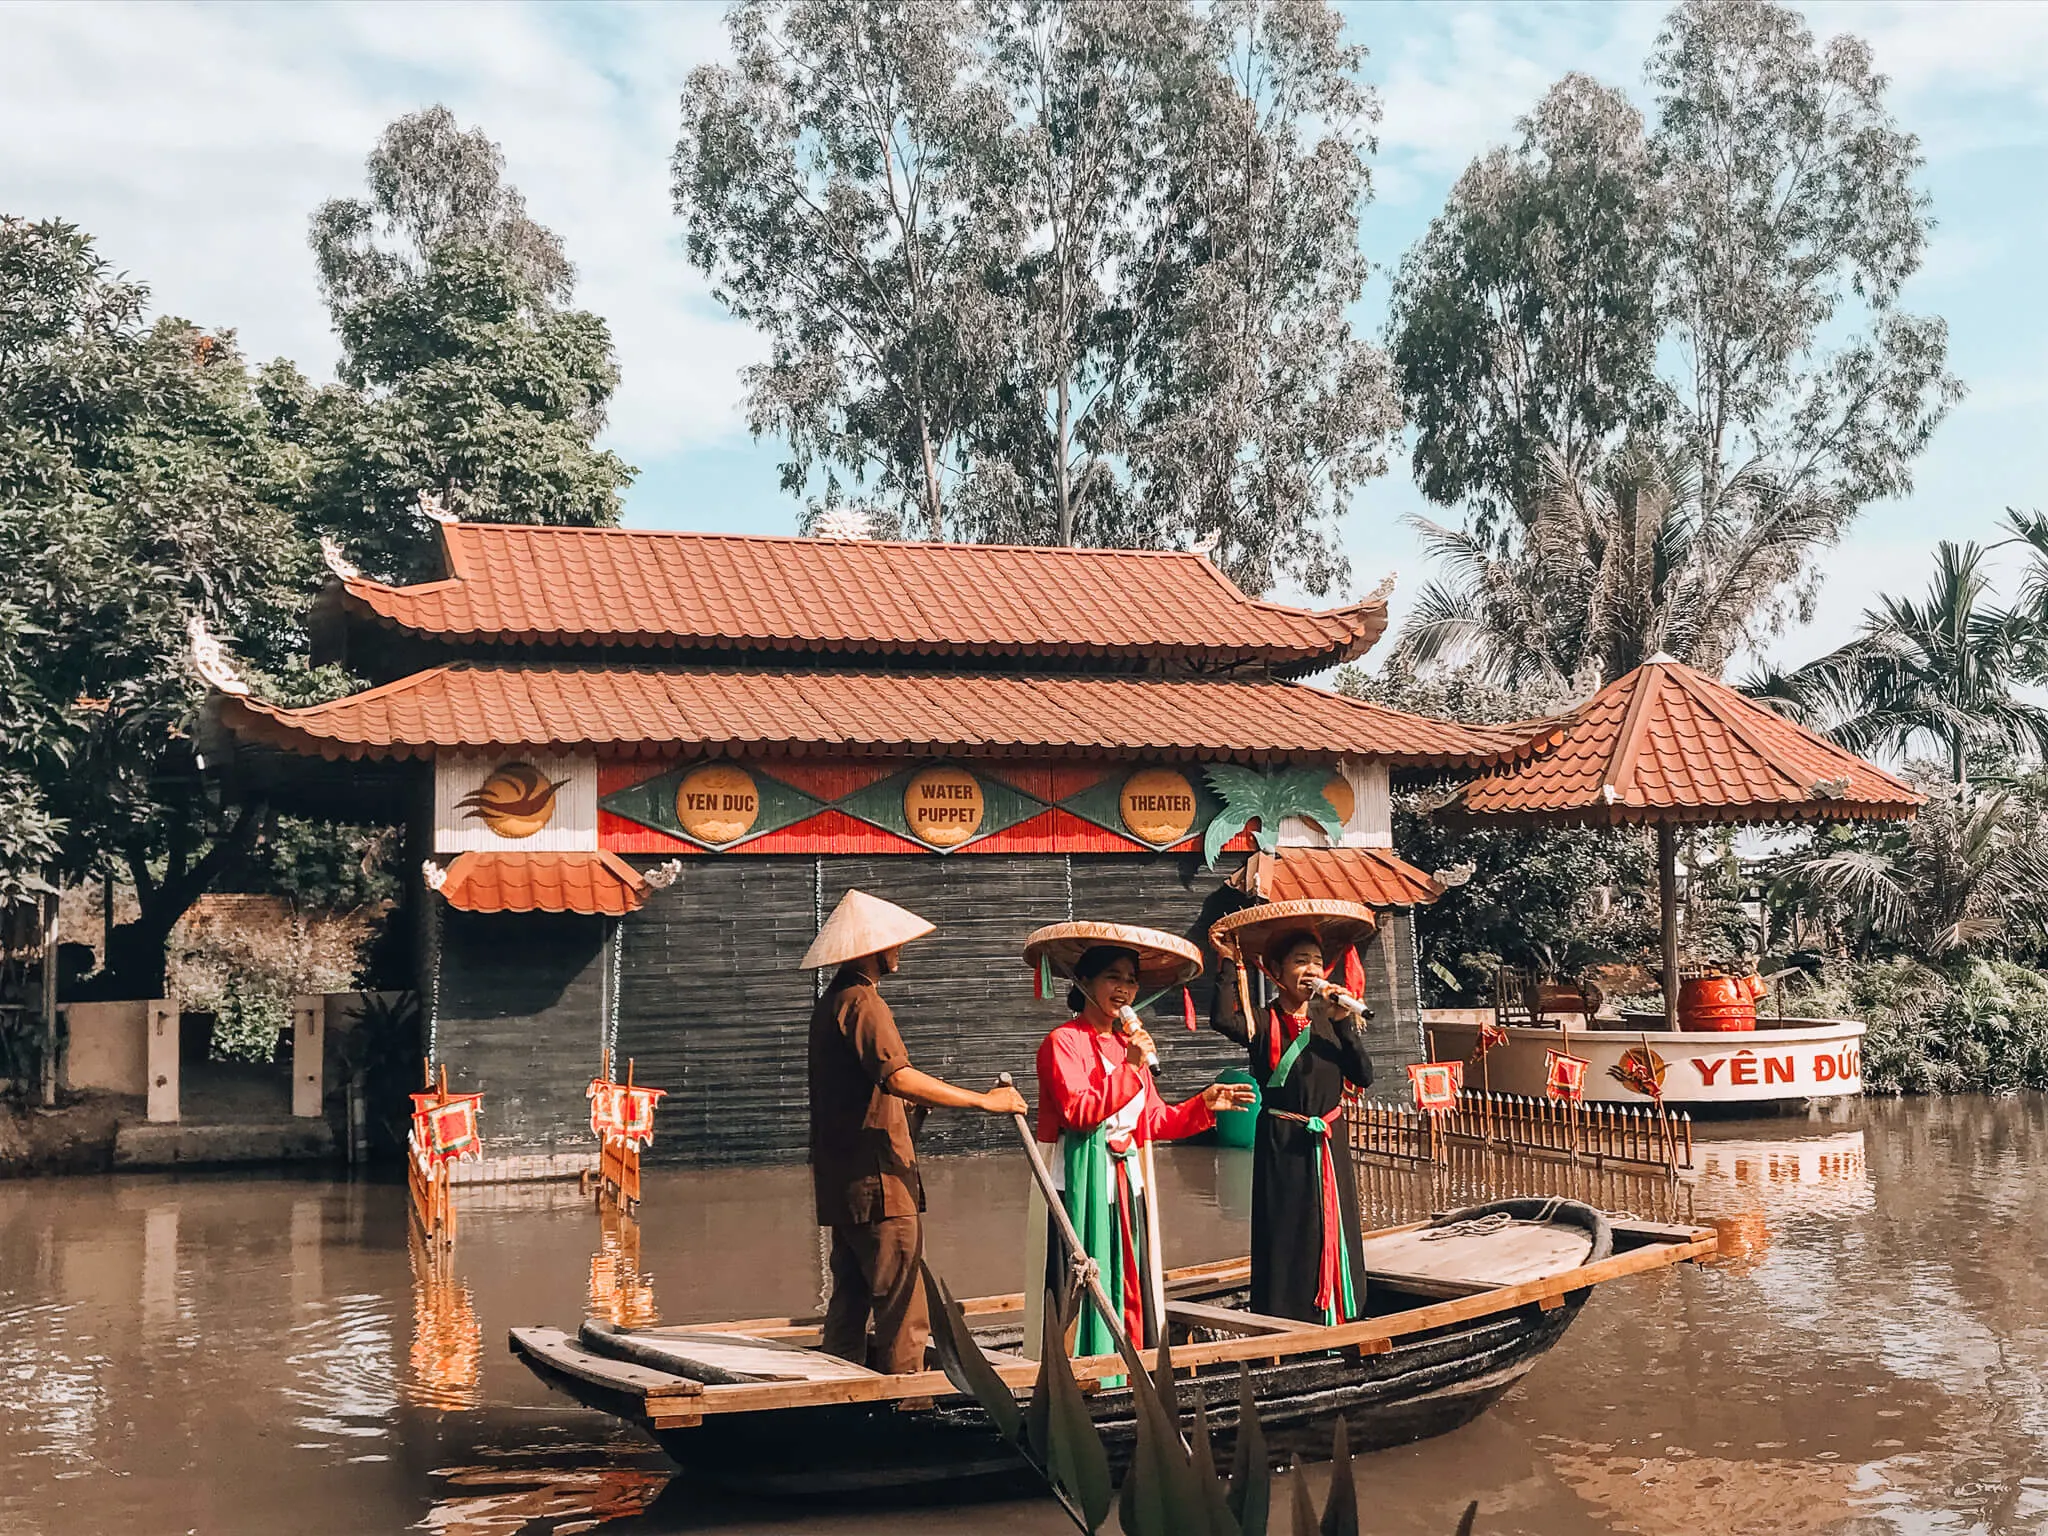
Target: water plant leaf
[(966, 1367), (1251, 1474), (1340, 1511), (1161, 1496), (1471, 1514), (1304, 1510), (1075, 1457), (1202, 1458)]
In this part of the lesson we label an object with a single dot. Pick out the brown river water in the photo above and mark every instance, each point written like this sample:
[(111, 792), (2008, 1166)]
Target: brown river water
[(234, 1353)]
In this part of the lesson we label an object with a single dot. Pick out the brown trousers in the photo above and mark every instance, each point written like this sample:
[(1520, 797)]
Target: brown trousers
[(874, 1270)]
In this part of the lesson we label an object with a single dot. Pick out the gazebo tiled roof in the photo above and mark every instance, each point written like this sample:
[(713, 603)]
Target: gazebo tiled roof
[(1668, 744), (611, 587), (658, 711)]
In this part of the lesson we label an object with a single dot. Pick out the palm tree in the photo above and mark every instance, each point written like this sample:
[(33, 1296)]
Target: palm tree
[(1970, 872), (1941, 671), (1612, 567)]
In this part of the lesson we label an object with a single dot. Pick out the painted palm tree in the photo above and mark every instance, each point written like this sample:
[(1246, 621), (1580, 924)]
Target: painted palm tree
[(1268, 798), (1612, 566), (1940, 672)]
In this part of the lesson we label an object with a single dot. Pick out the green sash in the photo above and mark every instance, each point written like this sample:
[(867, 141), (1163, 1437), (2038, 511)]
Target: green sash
[(1289, 1057), (1090, 1197)]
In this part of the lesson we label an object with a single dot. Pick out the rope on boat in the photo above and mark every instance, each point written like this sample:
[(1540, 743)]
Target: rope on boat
[(1475, 1226)]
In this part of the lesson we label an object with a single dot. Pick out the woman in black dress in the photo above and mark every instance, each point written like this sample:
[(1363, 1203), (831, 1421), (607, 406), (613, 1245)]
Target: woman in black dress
[(1303, 1049)]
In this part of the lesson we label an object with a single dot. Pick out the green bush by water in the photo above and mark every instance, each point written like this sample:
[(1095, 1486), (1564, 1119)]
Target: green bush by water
[(1972, 1026)]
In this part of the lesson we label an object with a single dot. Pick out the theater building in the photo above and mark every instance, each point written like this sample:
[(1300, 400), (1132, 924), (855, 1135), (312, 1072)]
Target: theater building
[(640, 767)]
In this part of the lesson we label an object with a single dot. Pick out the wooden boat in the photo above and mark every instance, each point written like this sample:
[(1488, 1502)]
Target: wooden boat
[(1459, 1309)]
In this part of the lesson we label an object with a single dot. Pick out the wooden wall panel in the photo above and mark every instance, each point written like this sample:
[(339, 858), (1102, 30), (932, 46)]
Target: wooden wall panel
[(520, 1016)]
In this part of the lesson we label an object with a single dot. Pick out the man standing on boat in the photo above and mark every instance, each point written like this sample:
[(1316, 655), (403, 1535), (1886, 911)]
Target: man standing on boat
[(863, 1166), (1305, 1050)]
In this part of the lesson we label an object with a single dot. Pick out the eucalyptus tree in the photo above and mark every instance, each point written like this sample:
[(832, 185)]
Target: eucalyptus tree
[(1724, 281), (1051, 272)]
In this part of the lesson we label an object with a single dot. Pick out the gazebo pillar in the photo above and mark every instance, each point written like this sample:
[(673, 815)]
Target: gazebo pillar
[(1667, 902)]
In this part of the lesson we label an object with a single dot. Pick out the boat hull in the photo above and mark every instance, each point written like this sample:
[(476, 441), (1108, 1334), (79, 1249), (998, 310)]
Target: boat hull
[(1737, 1072), (949, 1450)]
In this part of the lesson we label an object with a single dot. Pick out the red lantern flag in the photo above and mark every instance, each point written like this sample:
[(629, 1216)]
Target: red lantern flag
[(1492, 1033), (449, 1126), (1564, 1077), (603, 1094), (636, 1114), (1436, 1085)]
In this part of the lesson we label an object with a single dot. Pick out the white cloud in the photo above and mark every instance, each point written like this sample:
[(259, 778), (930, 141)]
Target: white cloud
[(195, 141)]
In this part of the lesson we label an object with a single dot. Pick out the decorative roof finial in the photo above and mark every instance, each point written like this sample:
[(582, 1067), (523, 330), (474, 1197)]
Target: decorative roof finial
[(846, 523), (210, 659), (432, 507), (1383, 591), (1450, 879), (435, 875), (337, 562), (1206, 548), (663, 875)]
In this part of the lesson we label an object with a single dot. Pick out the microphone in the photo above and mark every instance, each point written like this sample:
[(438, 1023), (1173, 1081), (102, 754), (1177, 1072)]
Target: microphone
[(1333, 993), (1128, 1017)]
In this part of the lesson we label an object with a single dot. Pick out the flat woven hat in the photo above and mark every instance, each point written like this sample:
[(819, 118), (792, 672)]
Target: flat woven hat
[(1164, 959), (862, 925), (1339, 924)]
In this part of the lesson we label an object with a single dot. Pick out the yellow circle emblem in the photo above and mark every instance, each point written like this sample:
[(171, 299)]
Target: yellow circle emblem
[(718, 803), (515, 800), (1158, 806), (944, 806)]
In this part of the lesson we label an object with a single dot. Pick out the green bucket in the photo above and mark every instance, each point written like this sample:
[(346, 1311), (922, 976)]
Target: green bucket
[(1234, 1127)]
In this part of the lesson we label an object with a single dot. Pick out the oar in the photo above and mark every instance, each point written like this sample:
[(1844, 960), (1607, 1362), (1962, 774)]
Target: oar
[(1092, 1278)]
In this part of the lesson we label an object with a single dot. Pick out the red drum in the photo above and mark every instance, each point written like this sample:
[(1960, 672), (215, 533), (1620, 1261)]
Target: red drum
[(1724, 1004)]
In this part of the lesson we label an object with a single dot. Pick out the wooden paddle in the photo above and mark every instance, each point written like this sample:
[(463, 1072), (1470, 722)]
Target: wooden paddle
[(1111, 1318)]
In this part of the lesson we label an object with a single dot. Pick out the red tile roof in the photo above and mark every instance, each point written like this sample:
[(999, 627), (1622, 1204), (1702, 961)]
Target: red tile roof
[(1374, 877), (618, 586), (650, 711), (1666, 743), (598, 883)]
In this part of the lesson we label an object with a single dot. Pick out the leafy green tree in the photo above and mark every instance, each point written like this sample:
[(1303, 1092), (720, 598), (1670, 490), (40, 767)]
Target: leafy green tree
[(431, 184), (1725, 286), (1944, 671), (140, 486), (1525, 320), (1051, 273), (463, 377)]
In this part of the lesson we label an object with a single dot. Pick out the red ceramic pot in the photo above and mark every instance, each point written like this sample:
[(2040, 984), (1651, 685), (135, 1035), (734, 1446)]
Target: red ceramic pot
[(1724, 1004)]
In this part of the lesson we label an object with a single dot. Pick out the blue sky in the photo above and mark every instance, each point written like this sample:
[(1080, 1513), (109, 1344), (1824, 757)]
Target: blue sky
[(194, 142)]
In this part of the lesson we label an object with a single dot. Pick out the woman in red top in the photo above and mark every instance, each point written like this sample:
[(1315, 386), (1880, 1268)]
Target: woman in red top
[(1099, 1107)]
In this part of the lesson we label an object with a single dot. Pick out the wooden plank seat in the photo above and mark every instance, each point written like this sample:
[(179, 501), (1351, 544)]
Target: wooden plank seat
[(717, 1358), (1522, 1251), (1232, 1319)]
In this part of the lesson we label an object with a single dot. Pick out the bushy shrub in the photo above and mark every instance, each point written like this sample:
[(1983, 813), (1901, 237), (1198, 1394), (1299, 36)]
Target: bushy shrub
[(244, 960), (1974, 1026)]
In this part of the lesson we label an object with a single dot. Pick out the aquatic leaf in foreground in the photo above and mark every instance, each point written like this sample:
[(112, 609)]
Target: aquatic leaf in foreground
[(1074, 1455), (1251, 1475), (1471, 1514), (964, 1363), (1215, 1498), (1304, 1510), (1340, 1512)]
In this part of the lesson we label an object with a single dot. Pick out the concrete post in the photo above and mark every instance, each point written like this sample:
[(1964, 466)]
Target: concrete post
[(163, 1062), (309, 1046)]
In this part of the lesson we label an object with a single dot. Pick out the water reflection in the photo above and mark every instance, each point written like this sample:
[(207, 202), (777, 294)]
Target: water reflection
[(236, 1354)]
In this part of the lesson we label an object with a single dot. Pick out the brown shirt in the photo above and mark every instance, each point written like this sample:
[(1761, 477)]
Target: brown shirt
[(862, 1164)]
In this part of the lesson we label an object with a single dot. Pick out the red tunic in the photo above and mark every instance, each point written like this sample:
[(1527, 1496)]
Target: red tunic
[(1083, 1079)]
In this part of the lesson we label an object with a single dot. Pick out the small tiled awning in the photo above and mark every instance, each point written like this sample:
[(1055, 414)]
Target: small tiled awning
[(595, 883), (1373, 877)]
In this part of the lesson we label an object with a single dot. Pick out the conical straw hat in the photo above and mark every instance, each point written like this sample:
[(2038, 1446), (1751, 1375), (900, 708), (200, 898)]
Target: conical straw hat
[(1164, 960), (862, 925), (1339, 924)]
